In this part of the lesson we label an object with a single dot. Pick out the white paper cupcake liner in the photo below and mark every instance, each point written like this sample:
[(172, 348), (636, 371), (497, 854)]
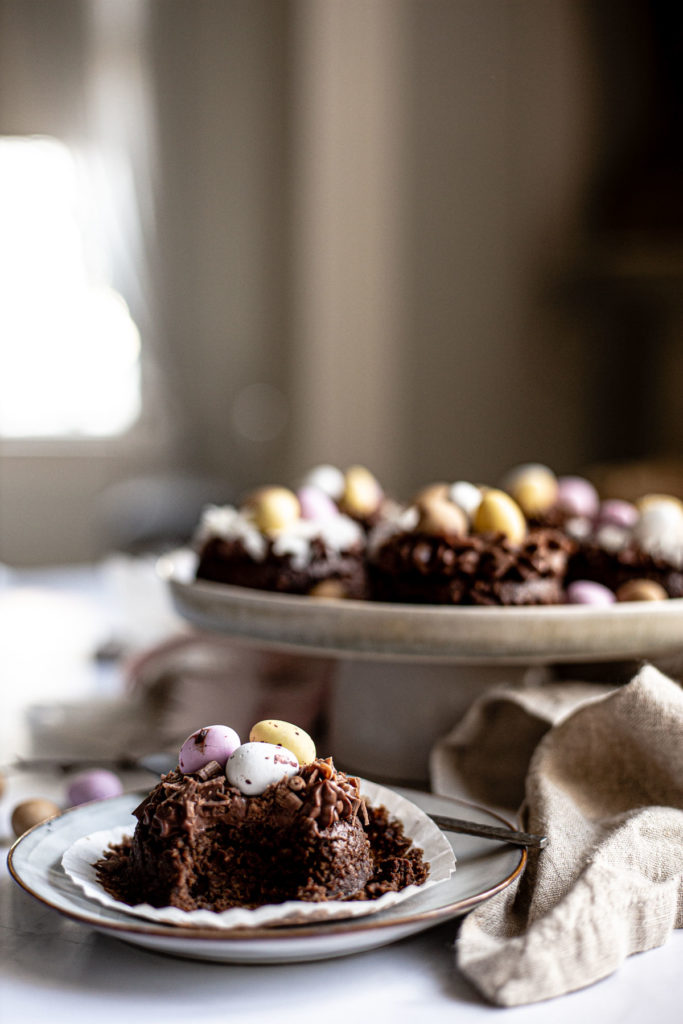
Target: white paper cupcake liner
[(80, 859)]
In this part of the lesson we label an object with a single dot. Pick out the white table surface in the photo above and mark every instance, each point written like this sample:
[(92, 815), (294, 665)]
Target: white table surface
[(55, 970)]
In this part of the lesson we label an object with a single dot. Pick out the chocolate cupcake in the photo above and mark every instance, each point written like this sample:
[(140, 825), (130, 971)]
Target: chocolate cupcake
[(438, 554)]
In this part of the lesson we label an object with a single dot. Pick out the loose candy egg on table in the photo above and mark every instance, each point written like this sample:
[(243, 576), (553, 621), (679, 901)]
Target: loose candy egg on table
[(641, 590), (32, 812), (95, 784), (498, 513), (255, 766), (590, 593), (273, 731), (273, 508), (210, 743)]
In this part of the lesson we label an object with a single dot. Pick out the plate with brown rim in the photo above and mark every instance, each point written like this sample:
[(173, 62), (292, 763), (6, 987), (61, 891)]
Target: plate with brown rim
[(484, 868)]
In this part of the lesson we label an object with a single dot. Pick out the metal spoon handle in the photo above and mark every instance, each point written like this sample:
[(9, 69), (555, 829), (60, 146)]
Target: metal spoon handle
[(473, 828)]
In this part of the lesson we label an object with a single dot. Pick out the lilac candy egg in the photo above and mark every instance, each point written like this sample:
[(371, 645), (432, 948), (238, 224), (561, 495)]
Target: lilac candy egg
[(95, 784), (255, 766), (615, 512), (587, 592), (211, 743), (577, 497), (315, 504)]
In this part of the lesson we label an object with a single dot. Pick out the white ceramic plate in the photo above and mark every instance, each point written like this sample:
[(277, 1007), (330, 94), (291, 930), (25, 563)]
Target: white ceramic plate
[(484, 868), (369, 629)]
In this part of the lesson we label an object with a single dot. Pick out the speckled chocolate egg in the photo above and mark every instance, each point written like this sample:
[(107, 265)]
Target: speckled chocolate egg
[(642, 590), (430, 492), (588, 592), (295, 739), (616, 512), (499, 513), (362, 493), (94, 784), (273, 508), (440, 518), (315, 504), (32, 812), (255, 766), (577, 496), (326, 478), (533, 486), (468, 496), (210, 743)]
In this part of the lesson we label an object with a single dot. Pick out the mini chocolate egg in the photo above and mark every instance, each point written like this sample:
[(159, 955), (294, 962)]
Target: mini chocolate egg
[(648, 501), (362, 493), (255, 766), (330, 589), (533, 486), (430, 492), (439, 517), (466, 495), (273, 508), (588, 592), (32, 812), (315, 504), (328, 479), (641, 590), (577, 496), (290, 736), (211, 743), (498, 513), (659, 531), (95, 784), (616, 512)]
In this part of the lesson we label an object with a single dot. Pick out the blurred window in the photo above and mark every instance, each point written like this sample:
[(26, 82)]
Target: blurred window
[(69, 349)]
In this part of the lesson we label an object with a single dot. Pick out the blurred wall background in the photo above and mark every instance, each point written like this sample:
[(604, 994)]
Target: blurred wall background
[(436, 237)]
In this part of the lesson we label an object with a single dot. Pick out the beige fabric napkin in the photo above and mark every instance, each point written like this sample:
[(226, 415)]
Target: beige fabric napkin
[(605, 783)]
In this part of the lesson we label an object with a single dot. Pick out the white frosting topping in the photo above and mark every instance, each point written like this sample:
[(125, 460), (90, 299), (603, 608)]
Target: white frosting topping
[(402, 521), (338, 533)]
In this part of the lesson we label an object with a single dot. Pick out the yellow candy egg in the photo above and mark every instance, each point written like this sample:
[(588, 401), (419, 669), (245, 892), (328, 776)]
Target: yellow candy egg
[(362, 493), (286, 735), (649, 501), (438, 517), (498, 513), (534, 488), (641, 590), (273, 508), (31, 812)]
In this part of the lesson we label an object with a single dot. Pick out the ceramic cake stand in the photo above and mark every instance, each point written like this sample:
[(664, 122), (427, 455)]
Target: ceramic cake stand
[(410, 671)]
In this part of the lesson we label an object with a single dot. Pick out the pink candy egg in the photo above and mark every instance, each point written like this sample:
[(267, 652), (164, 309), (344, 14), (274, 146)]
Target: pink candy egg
[(577, 497), (96, 784), (210, 743), (615, 512), (587, 592), (315, 504)]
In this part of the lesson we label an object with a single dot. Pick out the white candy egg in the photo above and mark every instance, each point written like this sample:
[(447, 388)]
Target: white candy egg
[(326, 478), (466, 495), (255, 766)]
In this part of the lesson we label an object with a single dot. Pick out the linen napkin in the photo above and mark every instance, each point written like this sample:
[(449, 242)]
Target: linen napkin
[(605, 783)]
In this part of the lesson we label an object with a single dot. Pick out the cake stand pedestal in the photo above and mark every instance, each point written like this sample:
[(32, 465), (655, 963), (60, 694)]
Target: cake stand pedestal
[(405, 674)]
